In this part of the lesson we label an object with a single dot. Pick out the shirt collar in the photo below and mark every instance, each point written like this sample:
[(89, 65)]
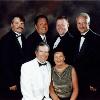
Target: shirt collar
[(17, 34), (84, 33), (40, 61), (42, 36)]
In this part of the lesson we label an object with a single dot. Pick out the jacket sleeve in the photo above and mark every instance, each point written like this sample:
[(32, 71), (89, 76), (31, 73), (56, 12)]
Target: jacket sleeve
[(25, 81)]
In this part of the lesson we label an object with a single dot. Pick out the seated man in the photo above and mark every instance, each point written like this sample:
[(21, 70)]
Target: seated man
[(36, 75)]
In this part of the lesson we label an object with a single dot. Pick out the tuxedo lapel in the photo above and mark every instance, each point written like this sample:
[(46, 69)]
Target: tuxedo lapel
[(84, 47), (17, 44)]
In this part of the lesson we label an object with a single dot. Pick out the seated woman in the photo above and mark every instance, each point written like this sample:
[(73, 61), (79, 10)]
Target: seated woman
[(64, 85)]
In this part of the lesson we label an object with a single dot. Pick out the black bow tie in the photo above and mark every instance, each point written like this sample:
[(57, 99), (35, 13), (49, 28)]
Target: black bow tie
[(40, 64), (83, 36), (18, 35)]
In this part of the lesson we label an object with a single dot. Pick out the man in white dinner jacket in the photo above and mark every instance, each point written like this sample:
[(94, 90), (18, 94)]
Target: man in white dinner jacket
[(36, 75)]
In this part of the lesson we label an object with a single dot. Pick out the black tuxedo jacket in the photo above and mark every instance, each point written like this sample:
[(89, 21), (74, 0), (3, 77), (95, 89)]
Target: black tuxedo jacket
[(87, 61), (67, 45), (32, 42), (11, 59)]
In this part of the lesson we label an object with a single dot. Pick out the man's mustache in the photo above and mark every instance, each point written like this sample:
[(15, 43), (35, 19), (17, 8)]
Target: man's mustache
[(20, 28)]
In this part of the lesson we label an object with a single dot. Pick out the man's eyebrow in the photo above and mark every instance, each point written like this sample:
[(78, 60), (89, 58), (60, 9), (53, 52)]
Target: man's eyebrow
[(43, 51)]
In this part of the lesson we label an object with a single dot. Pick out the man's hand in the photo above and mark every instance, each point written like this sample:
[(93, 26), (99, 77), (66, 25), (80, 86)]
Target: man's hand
[(93, 89), (13, 88)]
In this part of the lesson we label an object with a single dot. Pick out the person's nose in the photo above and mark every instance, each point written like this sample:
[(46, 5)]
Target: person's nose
[(81, 25), (57, 58)]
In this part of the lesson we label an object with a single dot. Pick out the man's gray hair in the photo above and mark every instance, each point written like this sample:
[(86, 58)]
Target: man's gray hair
[(85, 15)]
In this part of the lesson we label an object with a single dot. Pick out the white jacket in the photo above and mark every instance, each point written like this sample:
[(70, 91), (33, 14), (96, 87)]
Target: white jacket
[(35, 80)]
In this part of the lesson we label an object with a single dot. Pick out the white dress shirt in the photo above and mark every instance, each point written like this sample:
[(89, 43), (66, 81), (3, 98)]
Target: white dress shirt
[(82, 40), (56, 42), (35, 80), (19, 38)]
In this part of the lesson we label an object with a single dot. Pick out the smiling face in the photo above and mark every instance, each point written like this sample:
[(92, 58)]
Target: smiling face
[(42, 53), (82, 24), (62, 26), (17, 25), (59, 58), (42, 26)]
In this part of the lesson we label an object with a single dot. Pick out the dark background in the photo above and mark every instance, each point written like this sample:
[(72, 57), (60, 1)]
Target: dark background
[(52, 9)]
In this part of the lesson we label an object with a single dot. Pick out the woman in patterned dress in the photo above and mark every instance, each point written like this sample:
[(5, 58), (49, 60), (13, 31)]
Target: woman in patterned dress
[(64, 85)]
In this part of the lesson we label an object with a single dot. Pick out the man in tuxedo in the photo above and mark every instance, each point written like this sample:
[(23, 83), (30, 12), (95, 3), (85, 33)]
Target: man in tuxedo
[(39, 35), (11, 59), (86, 59), (36, 75), (64, 39)]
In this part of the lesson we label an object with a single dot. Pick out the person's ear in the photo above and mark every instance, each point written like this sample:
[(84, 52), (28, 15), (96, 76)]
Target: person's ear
[(64, 58), (68, 25), (11, 25), (35, 27)]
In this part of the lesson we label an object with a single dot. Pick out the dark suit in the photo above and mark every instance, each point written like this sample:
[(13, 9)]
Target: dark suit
[(32, 42), (11, 59), (67, 45), (87, 63)]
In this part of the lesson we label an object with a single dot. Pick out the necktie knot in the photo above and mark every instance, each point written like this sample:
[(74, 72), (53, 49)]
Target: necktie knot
[(44, 39), (42, 64)]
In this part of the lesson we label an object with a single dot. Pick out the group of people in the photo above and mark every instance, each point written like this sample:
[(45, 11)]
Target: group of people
[(40, 67)]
